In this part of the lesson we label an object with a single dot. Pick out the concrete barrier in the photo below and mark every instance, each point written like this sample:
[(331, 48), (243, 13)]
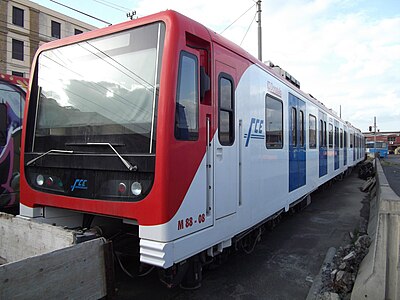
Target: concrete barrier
[(41, 261), (378, 275)]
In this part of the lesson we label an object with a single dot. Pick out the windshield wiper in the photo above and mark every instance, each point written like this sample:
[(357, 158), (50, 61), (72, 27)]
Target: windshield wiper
[(44, 154), (124, 161)]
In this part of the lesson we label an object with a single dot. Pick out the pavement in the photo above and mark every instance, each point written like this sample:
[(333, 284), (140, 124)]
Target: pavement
[(391, 168), (283, 265)]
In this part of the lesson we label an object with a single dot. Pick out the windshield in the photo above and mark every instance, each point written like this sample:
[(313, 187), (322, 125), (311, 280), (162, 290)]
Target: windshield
[(382, 145), (102, 90)]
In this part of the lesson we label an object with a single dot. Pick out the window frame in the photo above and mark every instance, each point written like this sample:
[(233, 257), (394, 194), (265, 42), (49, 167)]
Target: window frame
[(230, 111), (192, 135), (3, 124), (267, 144)]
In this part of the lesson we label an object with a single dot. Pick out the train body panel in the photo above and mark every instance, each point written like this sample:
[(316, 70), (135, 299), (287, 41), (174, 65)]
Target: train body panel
[(215, 143)]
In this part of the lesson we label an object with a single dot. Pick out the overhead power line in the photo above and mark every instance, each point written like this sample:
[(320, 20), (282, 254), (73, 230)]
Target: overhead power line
[(248, 28), (81, 12), (237, 19), (111, 5)]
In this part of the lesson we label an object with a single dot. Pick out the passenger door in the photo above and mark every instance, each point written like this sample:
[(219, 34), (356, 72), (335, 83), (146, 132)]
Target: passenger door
[(226, 152), (297, 143)]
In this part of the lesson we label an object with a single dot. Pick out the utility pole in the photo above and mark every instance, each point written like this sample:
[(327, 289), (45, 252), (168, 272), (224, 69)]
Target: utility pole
[(259, 30)]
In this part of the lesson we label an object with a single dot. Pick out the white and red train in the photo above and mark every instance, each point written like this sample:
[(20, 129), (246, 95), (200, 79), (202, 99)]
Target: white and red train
[(163, 127)]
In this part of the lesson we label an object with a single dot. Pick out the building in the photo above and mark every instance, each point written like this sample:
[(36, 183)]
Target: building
[(391, 138), (24, 26)]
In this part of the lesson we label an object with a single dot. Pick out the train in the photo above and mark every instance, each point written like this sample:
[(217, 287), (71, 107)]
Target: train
[(378, 148), (12, 102), (163, 131)]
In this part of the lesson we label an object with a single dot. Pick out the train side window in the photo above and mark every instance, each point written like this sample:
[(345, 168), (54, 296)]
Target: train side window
[(312, 131), (324, 133), (330, 135), (345, 139), (3, 124), (294, 127), (226, 133), (341, 138), (301, 123), (321, 133), (336, 136), (274, 123), (351, 140), (187, 99)]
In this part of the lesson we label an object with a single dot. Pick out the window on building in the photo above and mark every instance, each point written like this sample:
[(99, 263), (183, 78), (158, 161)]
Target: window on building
[(187, 99), (312, 131), (3, 124), (78, 31), (55, 29), (226, 127), (15, 73), (274, 123), (17, 49), (330, 135), (18, 16)]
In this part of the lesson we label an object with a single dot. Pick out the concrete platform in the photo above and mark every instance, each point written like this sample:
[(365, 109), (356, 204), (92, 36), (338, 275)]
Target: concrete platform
[(378, 276)]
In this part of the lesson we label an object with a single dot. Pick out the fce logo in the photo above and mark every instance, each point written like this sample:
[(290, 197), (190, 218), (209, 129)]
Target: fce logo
[(80, 184), (255, 130)]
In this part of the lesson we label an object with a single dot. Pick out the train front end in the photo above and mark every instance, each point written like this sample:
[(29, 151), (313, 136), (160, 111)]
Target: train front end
[(90, 132)]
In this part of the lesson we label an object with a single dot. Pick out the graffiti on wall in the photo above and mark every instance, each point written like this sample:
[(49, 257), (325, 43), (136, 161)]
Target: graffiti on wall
[(12, 101)]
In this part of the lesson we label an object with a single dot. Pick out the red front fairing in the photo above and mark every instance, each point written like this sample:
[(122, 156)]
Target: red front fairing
[(176, 161)]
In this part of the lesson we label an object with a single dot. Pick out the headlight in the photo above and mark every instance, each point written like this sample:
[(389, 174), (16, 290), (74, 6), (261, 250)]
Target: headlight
[(40, 180), (136, 188)]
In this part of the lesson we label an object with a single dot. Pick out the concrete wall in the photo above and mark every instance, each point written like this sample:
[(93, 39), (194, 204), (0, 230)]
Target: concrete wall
[(378, 276), (41, 261)]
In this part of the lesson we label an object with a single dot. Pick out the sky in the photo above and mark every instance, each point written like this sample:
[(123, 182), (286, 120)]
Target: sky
[(346, 53)]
